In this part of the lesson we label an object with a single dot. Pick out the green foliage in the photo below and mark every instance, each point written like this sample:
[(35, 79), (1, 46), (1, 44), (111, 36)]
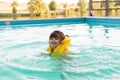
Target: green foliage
[(36, 7), (14, 4), (77, 9), (5, 15), (52, 5), (9, 15), (14, 10)]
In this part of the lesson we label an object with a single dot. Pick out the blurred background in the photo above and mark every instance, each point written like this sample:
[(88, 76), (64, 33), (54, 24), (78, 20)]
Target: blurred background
[(39, 9)]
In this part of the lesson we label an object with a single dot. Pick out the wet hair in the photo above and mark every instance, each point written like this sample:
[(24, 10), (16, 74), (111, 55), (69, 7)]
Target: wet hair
[(57, 34)]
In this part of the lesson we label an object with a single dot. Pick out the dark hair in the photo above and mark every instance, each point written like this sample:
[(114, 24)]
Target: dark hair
[(57, 34)]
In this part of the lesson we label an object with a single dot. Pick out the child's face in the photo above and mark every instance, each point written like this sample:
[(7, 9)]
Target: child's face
[(54, 42)]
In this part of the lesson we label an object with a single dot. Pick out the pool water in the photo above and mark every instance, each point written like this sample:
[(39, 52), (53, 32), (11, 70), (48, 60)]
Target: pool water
[(95, 52)]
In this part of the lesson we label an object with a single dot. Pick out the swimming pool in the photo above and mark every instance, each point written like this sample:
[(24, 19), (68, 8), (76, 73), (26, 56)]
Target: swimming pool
[(95, 52)]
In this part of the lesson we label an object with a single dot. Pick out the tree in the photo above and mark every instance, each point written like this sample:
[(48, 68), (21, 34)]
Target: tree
[(83, 6), (52, 5), (77, 10), (36, 7), (32, 8), (14, 4)]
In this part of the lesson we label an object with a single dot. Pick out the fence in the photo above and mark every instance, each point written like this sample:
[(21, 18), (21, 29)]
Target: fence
[(104, 8)]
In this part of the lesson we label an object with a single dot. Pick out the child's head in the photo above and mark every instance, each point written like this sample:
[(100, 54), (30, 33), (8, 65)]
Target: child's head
[(55, 38)]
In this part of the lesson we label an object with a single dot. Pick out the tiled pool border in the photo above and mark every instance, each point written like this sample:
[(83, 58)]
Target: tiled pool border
[(108, 20)]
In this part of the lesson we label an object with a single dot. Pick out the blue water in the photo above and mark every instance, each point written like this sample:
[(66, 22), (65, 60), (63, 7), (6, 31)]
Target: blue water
[(95, 53)]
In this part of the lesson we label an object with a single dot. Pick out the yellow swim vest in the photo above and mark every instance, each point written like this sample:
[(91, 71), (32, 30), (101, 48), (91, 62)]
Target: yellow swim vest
[(59, 50)]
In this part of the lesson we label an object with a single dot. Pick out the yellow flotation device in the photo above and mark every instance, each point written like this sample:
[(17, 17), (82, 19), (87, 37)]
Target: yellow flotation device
[(60, 49)]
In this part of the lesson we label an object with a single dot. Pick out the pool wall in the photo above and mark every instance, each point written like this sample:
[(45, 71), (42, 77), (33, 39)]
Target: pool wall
[(43, 21), (88, 20), (102, 20)]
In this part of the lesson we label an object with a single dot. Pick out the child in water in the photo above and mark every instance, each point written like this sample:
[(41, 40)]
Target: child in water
[(58, 43)]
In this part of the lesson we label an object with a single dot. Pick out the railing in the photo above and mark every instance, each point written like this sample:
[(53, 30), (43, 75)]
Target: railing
[(105, 6)]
